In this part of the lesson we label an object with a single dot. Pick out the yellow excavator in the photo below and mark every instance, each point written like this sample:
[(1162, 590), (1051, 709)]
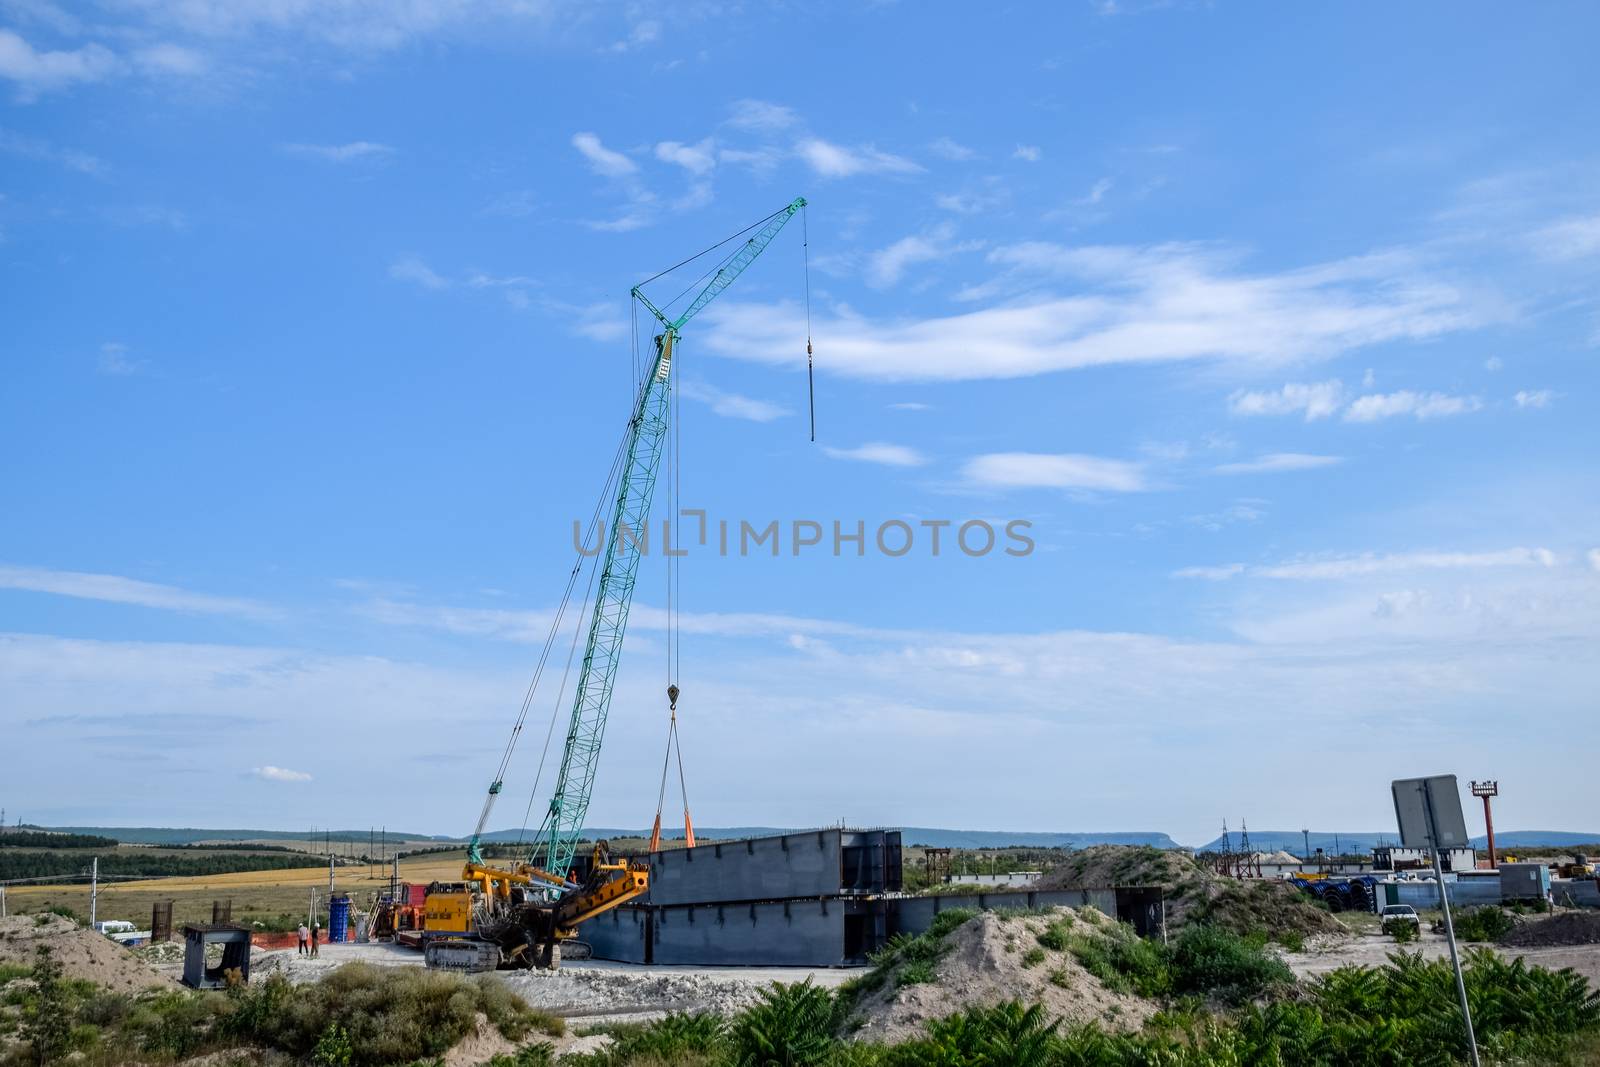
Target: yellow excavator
[(519, 916)]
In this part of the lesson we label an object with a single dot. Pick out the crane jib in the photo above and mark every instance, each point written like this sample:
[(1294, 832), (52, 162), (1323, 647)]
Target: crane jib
[(620, 566)]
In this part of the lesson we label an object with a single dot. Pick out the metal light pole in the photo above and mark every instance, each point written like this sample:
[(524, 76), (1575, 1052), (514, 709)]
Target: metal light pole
[(1450, 931), (94, 890), (1487, 790), (1429, 813)]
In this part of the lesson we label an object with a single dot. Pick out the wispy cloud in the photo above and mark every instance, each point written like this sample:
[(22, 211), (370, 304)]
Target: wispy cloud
[(1035, 470), (1534, 398), (732, 405), (1334, 568), (887, 266), (761, 115), (280, 774), (829, 160), (350, 152), (1128, 305), (1317, 400), (1377, 406), (947, 148), (698, 159), (879, 452), (412, 269), (640, 34), (1275, 462), (1029, 153), (1572, 238), (115, 362), (118, 590), (602, 160), (32, 148)]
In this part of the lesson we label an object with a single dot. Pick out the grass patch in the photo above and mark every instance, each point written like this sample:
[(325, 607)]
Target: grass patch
[(1033, 957)]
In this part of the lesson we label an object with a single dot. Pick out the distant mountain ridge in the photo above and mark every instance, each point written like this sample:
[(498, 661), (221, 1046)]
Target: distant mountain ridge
[(1358, 841), (934, 837)]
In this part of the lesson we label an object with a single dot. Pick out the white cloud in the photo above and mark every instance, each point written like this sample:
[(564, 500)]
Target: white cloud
[(1275, 462), (1493, 363), (946, 148), (413, 269), (38, 72), (1128, 305), (1317, 400), (1337, 568), (1035, 470), (1573, 238), (32, 148), (836, 161), (1211, 574), (350, 152), (1535, 398), (879, 452), (1593, 556), (603, 160), (761, 115), (1027, 152), (910, 405), (886, 266), (114, 360), (114, 589), (171, 60), (642, 33), (697, 159), (280, 774), (732, 405), (1376, 406)]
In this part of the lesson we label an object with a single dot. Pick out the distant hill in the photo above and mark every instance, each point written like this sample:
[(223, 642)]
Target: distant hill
[(161, 835), (1357, 841), (911, 835)]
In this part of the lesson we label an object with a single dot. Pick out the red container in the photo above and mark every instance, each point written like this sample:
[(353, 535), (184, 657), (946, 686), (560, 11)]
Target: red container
[(413, 894)]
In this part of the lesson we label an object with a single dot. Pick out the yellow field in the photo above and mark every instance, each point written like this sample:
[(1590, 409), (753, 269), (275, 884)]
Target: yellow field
[(256, 895)]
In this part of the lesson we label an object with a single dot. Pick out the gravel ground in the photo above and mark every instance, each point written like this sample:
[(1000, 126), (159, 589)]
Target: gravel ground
[(588, 992), (1372, 950)]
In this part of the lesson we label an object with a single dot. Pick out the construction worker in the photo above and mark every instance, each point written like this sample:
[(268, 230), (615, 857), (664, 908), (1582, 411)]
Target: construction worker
[(316, 936), (305, 940)]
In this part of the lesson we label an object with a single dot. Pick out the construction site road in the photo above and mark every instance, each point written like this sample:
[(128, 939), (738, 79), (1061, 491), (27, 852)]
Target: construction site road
[(594, 991)]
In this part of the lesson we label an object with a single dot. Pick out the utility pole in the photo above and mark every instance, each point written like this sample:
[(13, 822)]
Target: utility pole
[(1306, 836), (94, 890)]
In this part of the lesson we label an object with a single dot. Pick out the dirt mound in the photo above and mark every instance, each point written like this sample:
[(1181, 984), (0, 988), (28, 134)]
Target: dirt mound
[(995, 957), (1568, 928), (81, 952), (1194, 893)]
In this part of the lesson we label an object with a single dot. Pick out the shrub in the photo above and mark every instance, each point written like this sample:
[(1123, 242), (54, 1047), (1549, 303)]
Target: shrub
[(676, 1038), (1214, 962), (791, 1026), (1123, 961), (48, 1026), (1404, 933), (1033, 957), (387, 1015), (1483, 924)]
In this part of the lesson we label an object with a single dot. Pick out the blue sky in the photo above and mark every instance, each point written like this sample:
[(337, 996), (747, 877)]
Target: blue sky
[(1280, 329)]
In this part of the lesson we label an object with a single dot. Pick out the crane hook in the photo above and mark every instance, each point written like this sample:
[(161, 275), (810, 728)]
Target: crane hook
[(672, 697)]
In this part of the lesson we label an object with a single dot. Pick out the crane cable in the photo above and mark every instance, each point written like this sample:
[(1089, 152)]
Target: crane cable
[(811, 384), (671, 532)]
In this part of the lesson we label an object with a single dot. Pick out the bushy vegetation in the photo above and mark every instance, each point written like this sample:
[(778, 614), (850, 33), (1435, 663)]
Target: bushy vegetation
[(909, 959), (1357, 1017), (1203, 961), (40, 839), (1488, 923), (359, 1015)]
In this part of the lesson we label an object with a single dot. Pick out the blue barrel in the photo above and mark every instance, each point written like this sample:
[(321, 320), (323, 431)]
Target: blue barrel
[(339, 918)]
